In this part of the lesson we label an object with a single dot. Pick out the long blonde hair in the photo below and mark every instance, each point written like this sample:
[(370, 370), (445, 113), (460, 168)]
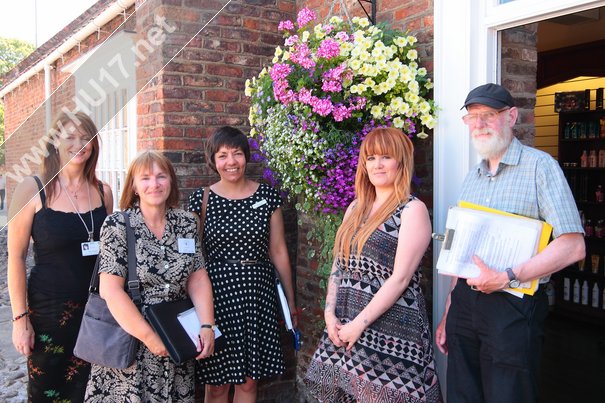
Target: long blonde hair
[(354, 232)]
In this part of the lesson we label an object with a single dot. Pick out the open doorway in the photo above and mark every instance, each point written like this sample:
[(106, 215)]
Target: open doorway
[(570, 66)]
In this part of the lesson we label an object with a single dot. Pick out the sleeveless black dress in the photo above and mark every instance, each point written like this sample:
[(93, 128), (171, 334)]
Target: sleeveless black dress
[(57, 291)]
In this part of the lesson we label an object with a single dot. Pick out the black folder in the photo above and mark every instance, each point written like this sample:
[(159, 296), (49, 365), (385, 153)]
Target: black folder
[(163, 317)]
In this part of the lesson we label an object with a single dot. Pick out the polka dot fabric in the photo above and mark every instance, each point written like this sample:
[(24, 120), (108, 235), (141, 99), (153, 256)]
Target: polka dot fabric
[(245, 301)]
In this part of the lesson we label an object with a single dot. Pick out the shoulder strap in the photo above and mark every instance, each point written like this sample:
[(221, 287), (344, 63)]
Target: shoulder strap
[(102, 193), (41, 191), (133, 284), (134, 289), (206, 192)]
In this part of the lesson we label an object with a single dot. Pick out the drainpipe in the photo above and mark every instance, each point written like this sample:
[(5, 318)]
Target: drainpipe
[(47, 94)]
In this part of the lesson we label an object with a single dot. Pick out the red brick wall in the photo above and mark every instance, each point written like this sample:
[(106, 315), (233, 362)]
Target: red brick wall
[(25, 110), (519, 67)]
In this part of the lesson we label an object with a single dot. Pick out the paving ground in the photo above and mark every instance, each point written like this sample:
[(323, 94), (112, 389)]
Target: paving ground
[(13, 371)]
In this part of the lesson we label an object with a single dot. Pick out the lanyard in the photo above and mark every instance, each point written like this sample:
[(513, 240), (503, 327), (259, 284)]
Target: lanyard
[(92, 223)]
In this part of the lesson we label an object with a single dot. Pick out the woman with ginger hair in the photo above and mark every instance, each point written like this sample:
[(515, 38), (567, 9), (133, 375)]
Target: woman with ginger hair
[(377, 345)]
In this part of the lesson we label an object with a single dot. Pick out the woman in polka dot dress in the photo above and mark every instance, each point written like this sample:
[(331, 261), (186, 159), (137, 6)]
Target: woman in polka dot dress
[(245, 243)]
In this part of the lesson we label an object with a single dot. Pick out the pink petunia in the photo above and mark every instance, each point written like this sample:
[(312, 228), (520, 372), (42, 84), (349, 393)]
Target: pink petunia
[(340, 113), (291, 40), (304, 96), (305, 16), (321, 106), (331, 86), (286, 25), (328, 49), (280, 71)]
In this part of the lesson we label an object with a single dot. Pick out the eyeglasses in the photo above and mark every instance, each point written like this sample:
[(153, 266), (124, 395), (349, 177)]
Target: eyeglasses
[(487, 117)]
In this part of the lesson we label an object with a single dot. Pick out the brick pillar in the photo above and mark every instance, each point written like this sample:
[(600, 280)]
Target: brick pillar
[(518, 69), (201, 89)]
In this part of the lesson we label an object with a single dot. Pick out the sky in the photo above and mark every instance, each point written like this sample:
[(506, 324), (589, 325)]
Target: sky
[(18, 18)]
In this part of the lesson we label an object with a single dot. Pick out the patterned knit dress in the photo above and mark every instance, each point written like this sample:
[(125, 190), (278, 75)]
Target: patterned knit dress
[(393, 359)]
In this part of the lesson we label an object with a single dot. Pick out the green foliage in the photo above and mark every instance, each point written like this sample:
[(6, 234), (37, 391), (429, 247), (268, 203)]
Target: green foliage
[(321, 239), (12, 51)]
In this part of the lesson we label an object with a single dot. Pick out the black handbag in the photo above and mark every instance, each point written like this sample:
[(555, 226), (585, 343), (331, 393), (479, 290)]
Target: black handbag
[(101, 340)]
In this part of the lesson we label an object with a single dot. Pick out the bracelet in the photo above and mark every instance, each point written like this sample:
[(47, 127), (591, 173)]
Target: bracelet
[(207, 326), (24, 314)]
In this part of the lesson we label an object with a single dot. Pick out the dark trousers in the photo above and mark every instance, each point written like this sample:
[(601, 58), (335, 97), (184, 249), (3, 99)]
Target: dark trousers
[(495, 346)]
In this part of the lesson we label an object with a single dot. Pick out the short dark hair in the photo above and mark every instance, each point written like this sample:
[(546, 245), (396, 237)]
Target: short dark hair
[(226, 136)]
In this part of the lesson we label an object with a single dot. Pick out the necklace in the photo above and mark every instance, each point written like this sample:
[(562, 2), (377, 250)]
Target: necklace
[(92, 223), (75, 192)]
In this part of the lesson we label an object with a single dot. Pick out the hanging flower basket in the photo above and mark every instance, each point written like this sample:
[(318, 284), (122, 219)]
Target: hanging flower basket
[(326, 88), (324, 91)]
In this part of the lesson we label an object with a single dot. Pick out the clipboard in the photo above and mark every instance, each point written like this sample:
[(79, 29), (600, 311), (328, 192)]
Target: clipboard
[(520, 237)]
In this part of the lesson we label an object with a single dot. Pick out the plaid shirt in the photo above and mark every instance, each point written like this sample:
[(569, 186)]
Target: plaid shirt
[(528, 182)]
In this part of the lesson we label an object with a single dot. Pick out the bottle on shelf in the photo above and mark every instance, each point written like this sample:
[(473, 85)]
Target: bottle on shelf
[(599, 194), (598, 229), (595, 295), (567, 131), (601, 232), (581, 128), (584, 159), (594, 261), (601, 162), (566, 288), (588, 228), (576, 291), (585, 293), (592, 159)]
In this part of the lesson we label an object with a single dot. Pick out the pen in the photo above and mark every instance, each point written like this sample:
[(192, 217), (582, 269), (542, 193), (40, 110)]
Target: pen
[(201, 342)]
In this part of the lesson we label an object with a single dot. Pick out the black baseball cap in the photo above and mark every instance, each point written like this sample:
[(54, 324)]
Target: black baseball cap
[(493, 95)]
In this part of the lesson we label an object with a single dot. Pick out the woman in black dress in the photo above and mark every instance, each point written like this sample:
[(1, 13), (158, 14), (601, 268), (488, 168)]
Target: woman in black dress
[(245, 244), (62, 211)]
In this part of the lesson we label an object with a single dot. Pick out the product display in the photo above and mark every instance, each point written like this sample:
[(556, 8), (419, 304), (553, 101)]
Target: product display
[(581, 151)]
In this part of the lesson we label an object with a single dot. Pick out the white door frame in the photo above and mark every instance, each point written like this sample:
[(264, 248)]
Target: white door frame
[(466, 54)]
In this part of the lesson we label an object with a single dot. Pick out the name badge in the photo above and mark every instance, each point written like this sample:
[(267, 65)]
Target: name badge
[(186, 245), (90, 248), (259, 203)]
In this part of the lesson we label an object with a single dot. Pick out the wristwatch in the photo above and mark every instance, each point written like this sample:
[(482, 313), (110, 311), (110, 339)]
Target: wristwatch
[(208, 326), (512, 279)]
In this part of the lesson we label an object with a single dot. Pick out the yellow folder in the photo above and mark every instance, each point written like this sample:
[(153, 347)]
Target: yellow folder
[(542, 243)]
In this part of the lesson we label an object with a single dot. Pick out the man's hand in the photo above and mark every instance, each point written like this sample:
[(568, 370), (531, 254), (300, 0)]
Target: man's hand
[(489, 280), (440, 336)]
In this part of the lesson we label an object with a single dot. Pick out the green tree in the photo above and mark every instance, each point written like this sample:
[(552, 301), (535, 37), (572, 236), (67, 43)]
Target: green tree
[(12, 51)]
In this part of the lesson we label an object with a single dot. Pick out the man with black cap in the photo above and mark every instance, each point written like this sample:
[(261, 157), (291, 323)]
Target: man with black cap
[(493, 339)]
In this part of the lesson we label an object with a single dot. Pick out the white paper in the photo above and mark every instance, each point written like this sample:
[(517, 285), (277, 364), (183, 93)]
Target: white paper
[(284, 306), (500, 241), (191, 323)]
